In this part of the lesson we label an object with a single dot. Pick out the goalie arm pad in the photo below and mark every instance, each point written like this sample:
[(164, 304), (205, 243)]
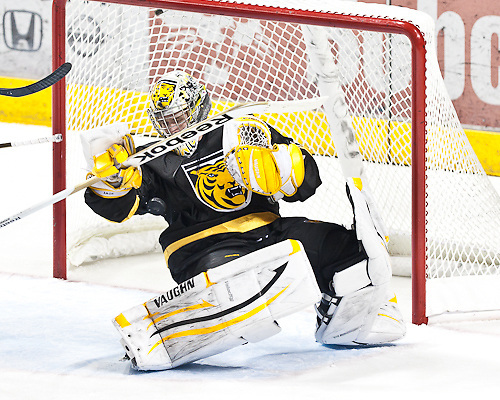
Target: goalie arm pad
[(116, 209), (267, 171)]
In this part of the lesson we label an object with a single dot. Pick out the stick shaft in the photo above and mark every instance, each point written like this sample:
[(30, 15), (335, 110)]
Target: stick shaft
[(54, 138), (52, 200)]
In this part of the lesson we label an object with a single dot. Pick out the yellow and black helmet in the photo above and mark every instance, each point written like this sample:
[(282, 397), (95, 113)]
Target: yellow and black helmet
[(177, 102)]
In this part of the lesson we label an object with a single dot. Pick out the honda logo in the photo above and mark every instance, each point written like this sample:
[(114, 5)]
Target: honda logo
[(22, 30)]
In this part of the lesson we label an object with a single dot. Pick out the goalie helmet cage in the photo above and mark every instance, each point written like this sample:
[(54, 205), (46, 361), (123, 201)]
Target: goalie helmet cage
[(381, 66)]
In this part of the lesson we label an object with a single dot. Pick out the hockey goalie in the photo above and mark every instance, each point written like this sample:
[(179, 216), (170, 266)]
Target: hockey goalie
[(238, 264)]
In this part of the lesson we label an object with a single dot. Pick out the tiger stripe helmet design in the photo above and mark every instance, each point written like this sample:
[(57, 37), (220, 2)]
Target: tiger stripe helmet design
[(178, 101)]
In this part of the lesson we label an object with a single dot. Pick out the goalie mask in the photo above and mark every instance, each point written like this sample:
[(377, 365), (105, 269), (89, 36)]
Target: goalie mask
[(177, 102)]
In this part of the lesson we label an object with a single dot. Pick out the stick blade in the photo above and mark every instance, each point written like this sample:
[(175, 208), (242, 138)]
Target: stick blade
[(53, 78), (42, 84)]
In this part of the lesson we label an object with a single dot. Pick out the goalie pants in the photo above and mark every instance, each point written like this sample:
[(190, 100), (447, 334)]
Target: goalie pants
[(329, 247)]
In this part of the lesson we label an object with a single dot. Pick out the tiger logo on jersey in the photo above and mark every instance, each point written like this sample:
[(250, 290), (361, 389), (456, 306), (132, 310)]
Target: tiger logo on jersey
[(218, 188), (214, 185)]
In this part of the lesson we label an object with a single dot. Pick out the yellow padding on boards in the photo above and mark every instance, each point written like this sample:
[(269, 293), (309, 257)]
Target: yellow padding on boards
[(486, 145), (109, 105), (34, 109)]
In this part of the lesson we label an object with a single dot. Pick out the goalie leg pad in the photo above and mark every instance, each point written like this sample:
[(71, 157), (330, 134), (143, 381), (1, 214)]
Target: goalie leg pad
[(360, 311), (233, 304), (370, 232)]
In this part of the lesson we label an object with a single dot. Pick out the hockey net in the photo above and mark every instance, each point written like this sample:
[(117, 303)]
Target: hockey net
[(244, 53)]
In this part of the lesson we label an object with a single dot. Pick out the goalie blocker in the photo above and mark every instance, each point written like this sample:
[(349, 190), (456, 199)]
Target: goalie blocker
[(233, 304)]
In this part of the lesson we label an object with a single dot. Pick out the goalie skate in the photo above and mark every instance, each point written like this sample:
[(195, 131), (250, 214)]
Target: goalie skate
[(349, 321)]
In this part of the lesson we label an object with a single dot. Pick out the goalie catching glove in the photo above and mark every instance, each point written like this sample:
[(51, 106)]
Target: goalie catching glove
[(270, 170)]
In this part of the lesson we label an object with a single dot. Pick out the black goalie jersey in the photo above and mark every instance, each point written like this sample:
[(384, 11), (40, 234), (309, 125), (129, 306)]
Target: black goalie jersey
[(210, 216)]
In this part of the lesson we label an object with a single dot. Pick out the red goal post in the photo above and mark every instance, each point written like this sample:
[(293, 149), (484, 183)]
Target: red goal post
[(293, 16)]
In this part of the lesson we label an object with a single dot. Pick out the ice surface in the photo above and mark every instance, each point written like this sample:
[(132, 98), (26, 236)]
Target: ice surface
[(57, 340)]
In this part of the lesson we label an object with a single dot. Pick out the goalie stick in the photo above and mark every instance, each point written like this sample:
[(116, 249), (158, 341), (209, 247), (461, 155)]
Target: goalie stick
[(55, 138), (42, 84), (172, 142)]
